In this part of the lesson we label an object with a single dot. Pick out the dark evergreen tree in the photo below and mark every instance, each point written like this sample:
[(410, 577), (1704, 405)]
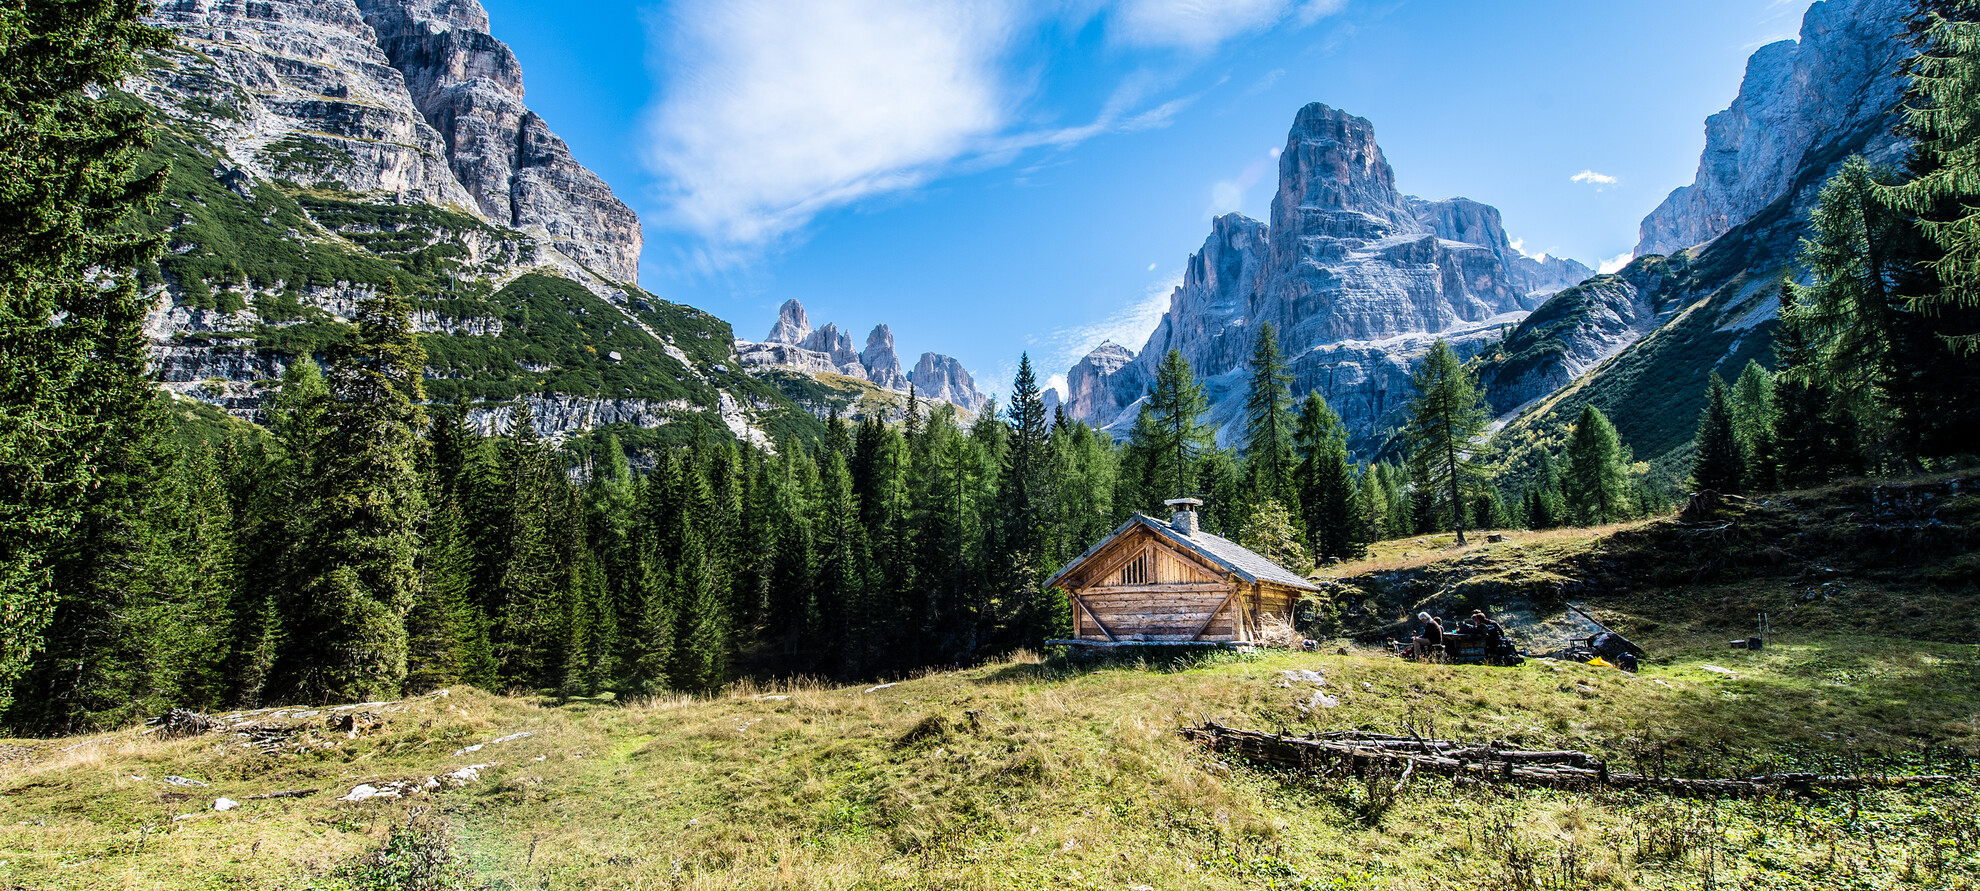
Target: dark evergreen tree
[(358, 571), (1719, 466), (69, 306), (1446, 417), (1597, 487), (701, 645), (1328, 494), (1806, 439), (1029, 613)]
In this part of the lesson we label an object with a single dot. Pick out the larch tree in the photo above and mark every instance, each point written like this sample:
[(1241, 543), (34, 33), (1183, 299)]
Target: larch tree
[(1446, 418), (1268, 428), (1174, 437), (1753, 422), (1939, 114)]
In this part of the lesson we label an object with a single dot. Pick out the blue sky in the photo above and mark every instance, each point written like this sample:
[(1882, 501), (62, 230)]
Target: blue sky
[(991, 177)]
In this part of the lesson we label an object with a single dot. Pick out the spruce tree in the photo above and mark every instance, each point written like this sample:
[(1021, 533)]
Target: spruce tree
[(1805, 438), (1446, 418), (358, 570), (1753, 423), (651, 647), (700, 652), (528, 587), (1719, 466), (69, 303), (1597, 487), (1268, 430), (1327, 491), (1017, 558)]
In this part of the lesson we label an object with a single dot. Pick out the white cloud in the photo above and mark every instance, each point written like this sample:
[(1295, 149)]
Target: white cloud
[(1519, 244), (777, 109), (1617, 262), (770, 112), (1203, 24), (1592, 178)]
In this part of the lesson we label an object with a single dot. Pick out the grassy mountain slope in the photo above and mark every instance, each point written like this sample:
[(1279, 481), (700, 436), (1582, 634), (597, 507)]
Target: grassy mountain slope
[(1715, 312), (1030, 774), (258, 272)]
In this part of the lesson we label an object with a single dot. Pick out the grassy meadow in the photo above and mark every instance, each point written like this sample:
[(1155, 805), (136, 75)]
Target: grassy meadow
[(1038, 774)]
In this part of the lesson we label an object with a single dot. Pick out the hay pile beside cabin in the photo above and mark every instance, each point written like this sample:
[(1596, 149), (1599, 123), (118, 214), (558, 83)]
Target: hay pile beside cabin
[(1173, 583)]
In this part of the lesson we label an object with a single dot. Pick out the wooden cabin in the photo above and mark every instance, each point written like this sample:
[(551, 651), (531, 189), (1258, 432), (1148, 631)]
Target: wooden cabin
[(1155, 582)]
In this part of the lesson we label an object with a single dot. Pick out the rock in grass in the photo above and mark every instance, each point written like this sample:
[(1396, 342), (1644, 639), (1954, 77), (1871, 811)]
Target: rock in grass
[(225, 804)]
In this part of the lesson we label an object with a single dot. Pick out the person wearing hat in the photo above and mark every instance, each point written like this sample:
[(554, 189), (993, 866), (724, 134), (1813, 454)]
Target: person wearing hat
[(1431, 635)]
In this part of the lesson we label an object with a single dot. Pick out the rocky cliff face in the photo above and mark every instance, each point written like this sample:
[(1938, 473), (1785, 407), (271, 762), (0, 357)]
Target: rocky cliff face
[(793, 345), (469, 88), (1357, 279), (1640, 345), (407, 98), (320, 148), (1837, 84)]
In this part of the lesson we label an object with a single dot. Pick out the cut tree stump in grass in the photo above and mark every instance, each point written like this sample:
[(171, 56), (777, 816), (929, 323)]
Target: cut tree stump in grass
[(1358, 752)]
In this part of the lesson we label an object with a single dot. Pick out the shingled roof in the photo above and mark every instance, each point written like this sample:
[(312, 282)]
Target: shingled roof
[(1243, 562)]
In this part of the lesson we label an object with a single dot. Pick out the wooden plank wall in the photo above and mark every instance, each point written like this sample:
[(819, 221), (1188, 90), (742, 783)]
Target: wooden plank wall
[(1144, 587)]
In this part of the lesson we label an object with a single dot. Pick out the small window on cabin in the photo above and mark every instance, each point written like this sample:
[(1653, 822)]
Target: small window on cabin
[(1138, 572)]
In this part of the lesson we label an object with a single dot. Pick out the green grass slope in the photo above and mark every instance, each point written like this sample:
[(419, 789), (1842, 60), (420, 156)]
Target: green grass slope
[(1717, 305), (256, 257)]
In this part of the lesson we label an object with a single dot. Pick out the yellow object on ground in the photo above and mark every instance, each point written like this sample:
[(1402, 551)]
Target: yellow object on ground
[(1602, 662)]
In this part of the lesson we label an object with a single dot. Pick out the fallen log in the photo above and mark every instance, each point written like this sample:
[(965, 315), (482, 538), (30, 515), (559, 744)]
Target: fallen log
[(291, 793), (1569, 770)]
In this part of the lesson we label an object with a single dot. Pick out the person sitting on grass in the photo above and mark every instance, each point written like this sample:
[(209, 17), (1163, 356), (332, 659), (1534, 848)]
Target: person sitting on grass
[(1431, 635)]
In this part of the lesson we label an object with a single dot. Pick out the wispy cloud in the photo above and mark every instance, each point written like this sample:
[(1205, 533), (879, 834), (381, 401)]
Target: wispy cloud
[(1616, 263), (1590, 177), (1519, 244), (1202, 24), (771, 112), (1129, 326), (775, 109)]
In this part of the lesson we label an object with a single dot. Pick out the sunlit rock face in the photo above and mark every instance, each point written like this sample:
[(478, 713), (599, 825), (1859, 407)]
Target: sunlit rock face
[(1356, 278), (1835, 86), (794, 345), (412, 98)]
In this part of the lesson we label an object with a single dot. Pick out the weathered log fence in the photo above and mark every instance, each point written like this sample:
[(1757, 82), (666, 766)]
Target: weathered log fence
[(1359, 752)]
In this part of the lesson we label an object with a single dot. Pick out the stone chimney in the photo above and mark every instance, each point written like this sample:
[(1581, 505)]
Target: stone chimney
[(1183, 519)]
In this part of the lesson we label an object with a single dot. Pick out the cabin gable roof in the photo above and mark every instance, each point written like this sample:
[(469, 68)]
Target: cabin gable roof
[(1248, 565)]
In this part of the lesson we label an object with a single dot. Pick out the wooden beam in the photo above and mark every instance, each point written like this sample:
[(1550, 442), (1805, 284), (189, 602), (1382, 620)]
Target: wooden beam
[(1130, 549), (1096, 619), (1213, 615), (1183, 588)]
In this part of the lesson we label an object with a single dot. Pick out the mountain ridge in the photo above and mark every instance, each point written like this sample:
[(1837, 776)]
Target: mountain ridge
[(321, 149), (1357, 278)]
